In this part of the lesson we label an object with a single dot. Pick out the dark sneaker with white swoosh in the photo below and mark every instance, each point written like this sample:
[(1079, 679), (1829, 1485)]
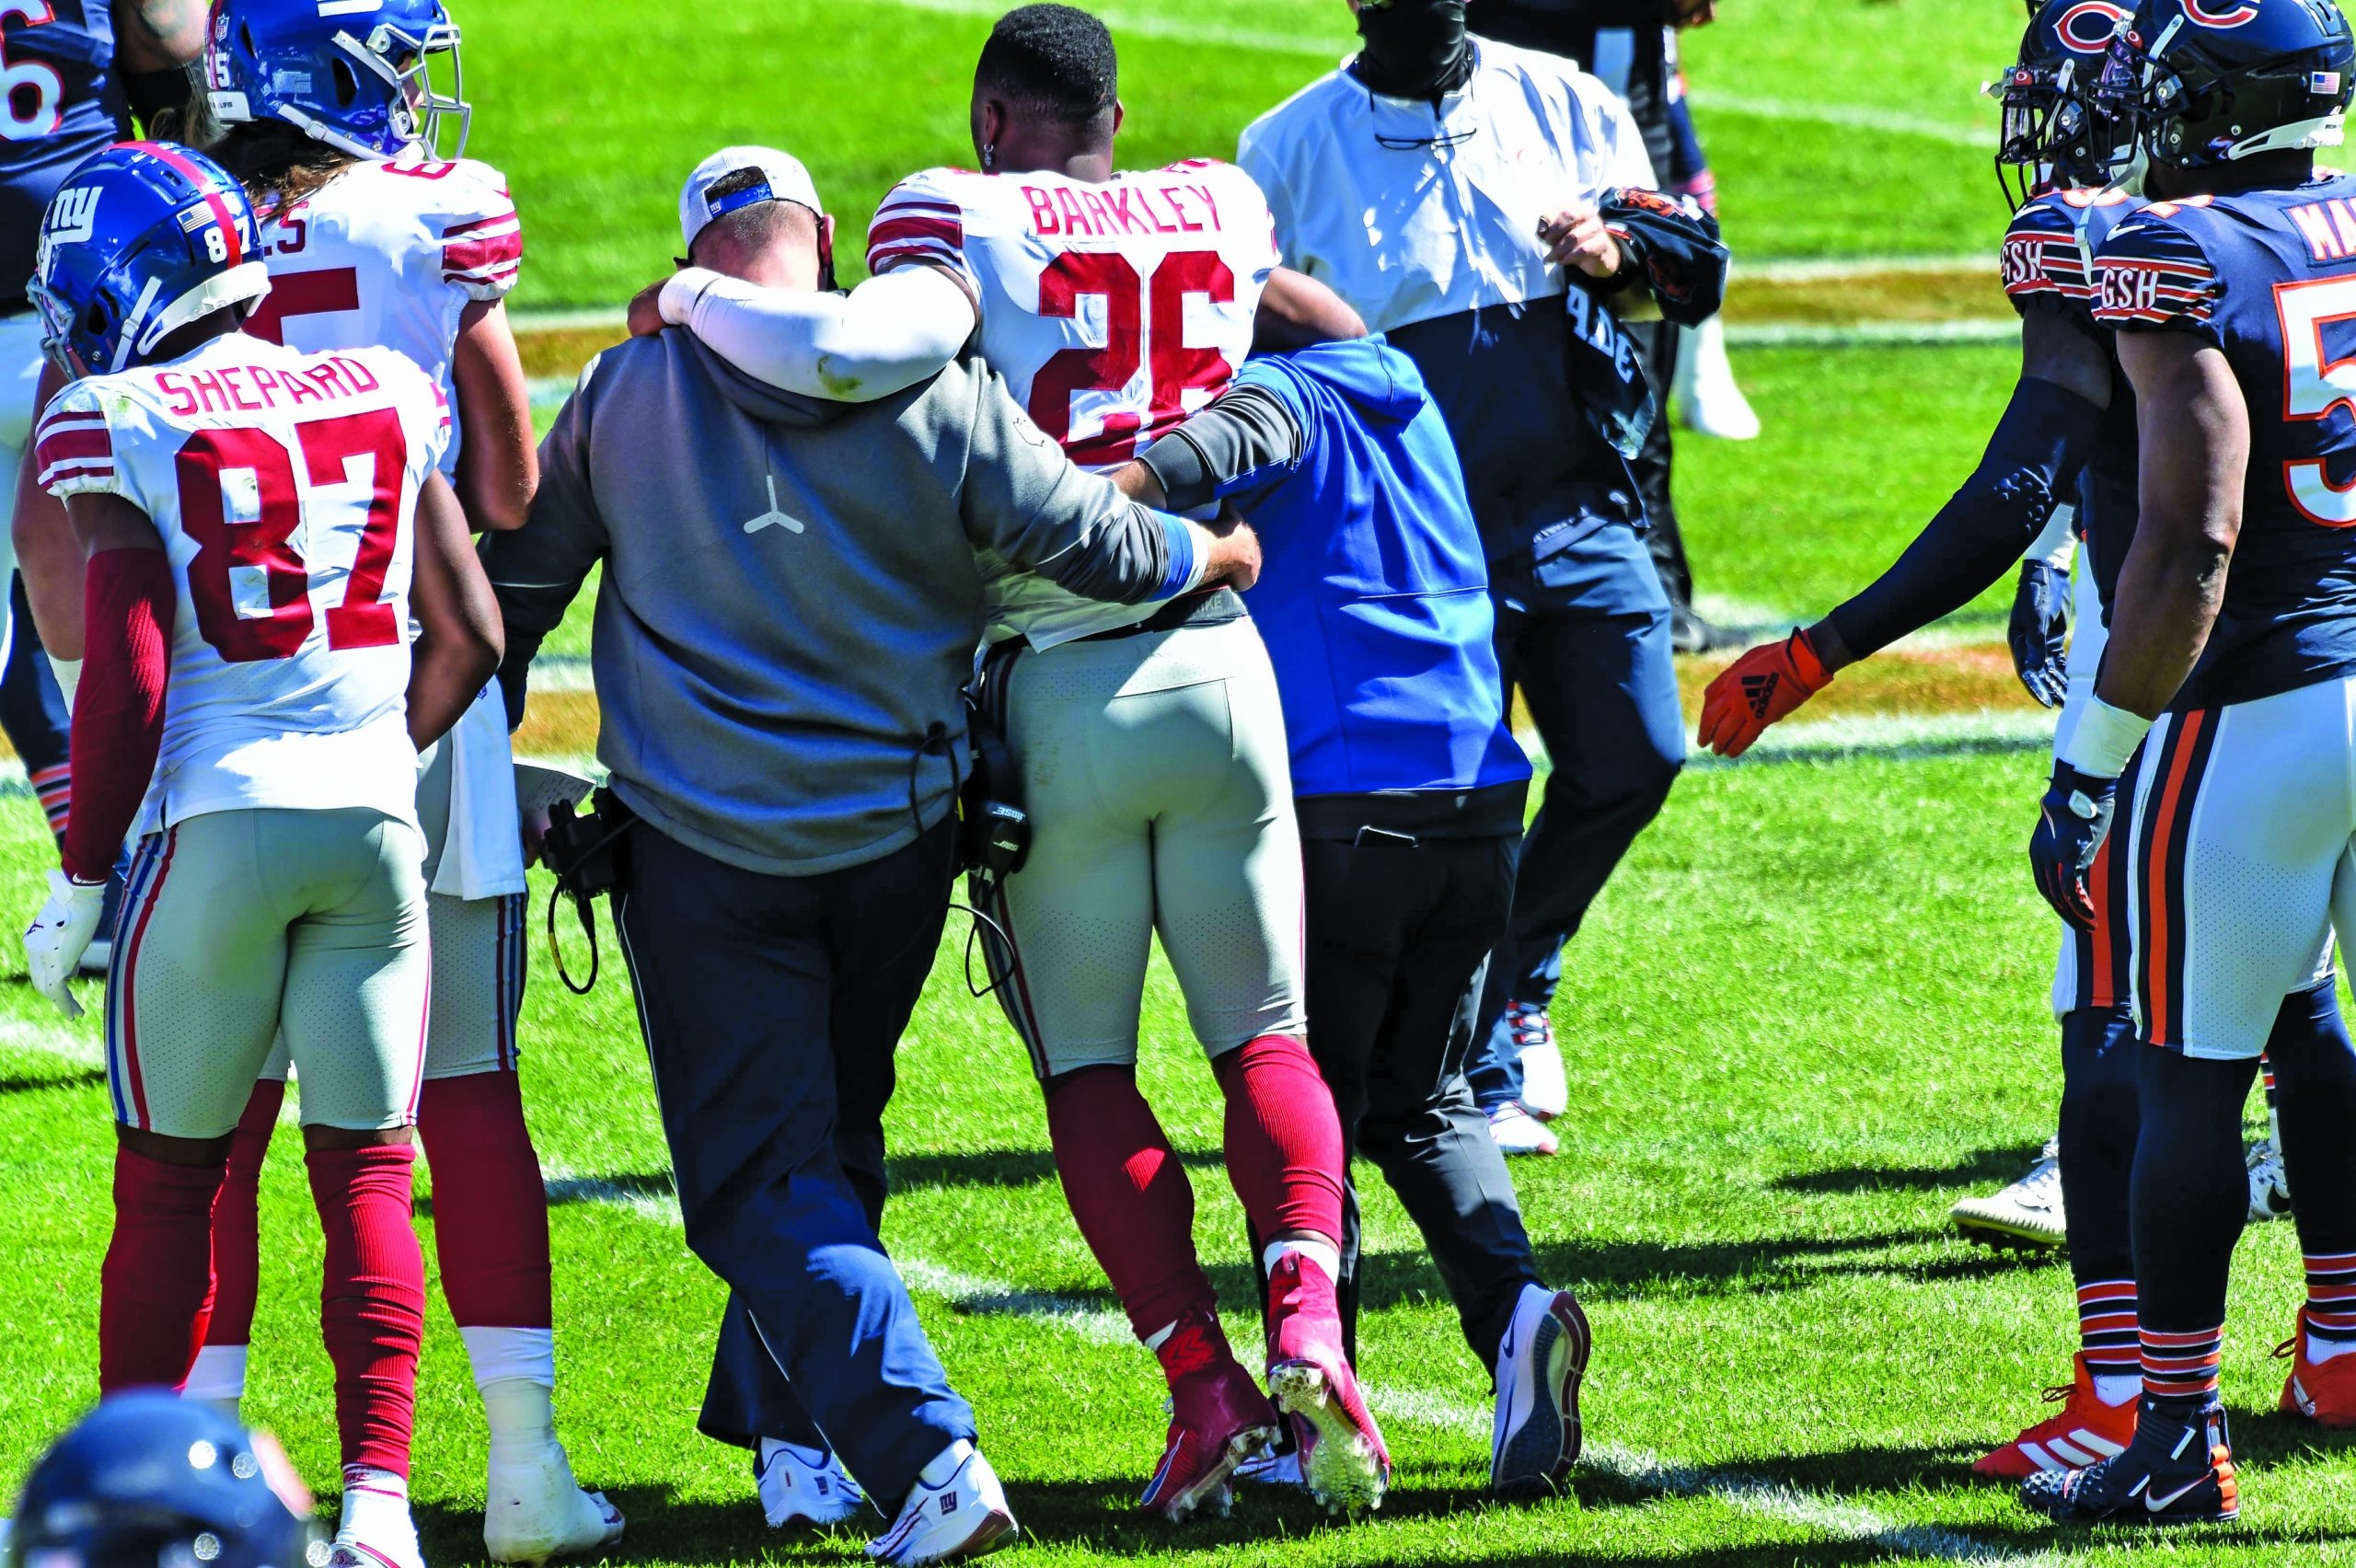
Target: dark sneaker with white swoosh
[(2175, 1473)]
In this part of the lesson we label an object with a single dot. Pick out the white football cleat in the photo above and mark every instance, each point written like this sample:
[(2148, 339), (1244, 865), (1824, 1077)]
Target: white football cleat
[(1536, 1436), (1273, 1467), (2270, 1184), (350, 1551), (2028, 1214), (1545, 1090), (536, 1510), (803, 1486), (1703, 392), (1518, 1131), (963, 1516)]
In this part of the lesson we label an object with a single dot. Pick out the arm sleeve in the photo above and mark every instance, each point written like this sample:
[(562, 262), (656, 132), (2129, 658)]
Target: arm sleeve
[(1686, 163), (74, 448), (889, 333), (1246, 428), (2032, 460), (1024, 500), (922, 222), (536, 571), (2152, 275), (127, 602), (482, 239)]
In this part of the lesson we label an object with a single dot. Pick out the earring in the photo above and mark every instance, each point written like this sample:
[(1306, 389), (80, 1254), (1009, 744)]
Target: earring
[(990, 157)]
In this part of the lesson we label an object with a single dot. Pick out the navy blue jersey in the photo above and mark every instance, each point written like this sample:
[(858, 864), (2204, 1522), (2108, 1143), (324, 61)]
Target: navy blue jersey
[(2269, 277), (63, 103), (2049, 264)]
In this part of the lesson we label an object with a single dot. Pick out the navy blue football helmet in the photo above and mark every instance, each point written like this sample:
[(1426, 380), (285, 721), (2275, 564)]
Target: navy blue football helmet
[(149, 1479), (2214, 81), (368, 92), (2055, 134), (140, 240)]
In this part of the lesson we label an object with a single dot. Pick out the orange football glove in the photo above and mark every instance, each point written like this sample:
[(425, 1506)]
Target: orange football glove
[(1757, 689)]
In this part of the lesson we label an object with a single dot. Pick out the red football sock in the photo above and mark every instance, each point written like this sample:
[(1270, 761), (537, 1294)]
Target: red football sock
[(1284, 1140), (155, 1289), (1135, 1206), (492, 1234), (372, 1301), (236, 1219)]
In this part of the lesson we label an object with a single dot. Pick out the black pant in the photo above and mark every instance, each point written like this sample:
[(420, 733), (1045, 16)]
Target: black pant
[(771, 1006), (1657, 342), (1402, 919)]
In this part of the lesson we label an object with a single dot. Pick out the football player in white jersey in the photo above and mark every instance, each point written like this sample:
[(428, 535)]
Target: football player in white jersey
[(371, 239), (263, 527), (1116, 304)]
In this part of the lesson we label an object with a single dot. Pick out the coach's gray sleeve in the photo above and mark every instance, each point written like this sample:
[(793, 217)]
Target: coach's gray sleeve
[(1026, 500), (537, 569)]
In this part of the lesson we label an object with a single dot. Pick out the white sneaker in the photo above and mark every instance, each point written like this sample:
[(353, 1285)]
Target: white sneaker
[(350, 1551), (963, 1516), (1704, 393), (1545, 1090), (1535, 1439), (2270, 1184), (1518, 1131), (536, 1510), (2026, 1214), (803, 1486)]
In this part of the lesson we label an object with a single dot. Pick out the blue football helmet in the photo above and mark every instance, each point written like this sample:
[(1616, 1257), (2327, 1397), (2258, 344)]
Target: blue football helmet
[(140, 240), (149, 1479), (2214, 81), (2055, 133), (367, 91)]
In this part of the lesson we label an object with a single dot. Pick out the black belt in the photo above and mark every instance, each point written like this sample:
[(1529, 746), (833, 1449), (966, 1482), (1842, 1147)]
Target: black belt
[(1205, 606), (1408, 817)]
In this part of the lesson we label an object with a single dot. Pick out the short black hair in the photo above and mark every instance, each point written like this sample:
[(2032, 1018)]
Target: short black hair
[(1053, 59), (759, 224)]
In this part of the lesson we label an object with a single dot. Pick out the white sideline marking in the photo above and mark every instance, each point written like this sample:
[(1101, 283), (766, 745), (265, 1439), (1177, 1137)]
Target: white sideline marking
[(1753, 1495), (52, 1039), (1871, 334), (1836, 269), (1853, 117)]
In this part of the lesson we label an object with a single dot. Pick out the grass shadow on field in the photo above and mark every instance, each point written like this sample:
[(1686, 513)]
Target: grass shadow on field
[(41, 1082), (1976, 1169)]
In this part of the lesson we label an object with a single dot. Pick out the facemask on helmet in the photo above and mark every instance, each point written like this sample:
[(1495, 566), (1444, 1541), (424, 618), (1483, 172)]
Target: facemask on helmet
[(2058, 132)]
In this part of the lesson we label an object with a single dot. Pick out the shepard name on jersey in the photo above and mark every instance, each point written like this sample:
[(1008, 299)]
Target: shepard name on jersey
[(390, 252), (2267, 277), (284, 489)]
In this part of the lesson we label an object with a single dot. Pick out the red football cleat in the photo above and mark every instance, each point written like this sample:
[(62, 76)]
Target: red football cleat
[(1219, 1419), (2085, 1431), (1342, 1461), (2323, 1391)]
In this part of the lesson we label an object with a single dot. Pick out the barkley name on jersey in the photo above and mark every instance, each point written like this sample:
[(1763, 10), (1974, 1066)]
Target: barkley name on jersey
[(2269, 277), (390, 252), (284, 488), (1113, 310)]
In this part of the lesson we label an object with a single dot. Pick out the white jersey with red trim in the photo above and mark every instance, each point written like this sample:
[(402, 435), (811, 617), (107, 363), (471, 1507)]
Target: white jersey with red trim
[(1113, 311), (284, 487), (388, 254)]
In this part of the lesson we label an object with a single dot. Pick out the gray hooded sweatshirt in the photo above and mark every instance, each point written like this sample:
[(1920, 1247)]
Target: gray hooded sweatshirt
[(790, 601)]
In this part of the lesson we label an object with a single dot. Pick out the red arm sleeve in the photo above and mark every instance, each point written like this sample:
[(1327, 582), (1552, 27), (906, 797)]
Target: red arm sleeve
[(119, 711)]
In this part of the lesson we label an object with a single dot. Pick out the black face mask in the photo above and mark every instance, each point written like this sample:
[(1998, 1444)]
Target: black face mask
[(1414, 48)]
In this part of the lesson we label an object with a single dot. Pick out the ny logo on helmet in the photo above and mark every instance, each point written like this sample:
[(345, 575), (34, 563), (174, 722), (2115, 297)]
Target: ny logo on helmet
[(72, 216)]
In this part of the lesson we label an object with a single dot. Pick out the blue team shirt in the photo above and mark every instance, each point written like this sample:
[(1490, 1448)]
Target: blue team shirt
[(1373, 595), (2269, 278), (63, 74), (2049, 264)]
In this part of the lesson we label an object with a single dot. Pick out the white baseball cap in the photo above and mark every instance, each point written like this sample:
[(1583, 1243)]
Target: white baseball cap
[(782, 179)]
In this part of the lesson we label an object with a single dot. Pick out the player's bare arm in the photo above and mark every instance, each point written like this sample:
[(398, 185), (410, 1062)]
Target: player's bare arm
[(2195, 457), (498, 464), (158, 35), (1576, 237), (48, 554), (1296, 311), (459, 641)]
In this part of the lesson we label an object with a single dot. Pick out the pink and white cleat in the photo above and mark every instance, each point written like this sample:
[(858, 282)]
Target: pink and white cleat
[(1343, 1461), (1219, 1419)]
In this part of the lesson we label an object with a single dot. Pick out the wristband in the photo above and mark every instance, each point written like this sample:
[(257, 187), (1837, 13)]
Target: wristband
[(2106, 737)]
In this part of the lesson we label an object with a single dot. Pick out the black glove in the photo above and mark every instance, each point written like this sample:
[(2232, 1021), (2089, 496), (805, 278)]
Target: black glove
[(2039, 632), (2072, 821)]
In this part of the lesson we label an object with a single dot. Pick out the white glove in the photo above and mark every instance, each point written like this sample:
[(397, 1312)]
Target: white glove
[(59, 935)]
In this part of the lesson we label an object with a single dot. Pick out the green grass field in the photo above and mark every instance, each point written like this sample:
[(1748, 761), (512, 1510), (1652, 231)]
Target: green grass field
[(1807, 1016)]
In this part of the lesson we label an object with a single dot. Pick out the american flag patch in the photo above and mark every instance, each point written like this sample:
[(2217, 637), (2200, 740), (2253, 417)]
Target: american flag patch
[(2323, 84)]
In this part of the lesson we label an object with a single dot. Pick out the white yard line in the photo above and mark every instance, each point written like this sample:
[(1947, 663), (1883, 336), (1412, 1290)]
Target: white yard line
[(1650, 1472), (1871, 334)]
